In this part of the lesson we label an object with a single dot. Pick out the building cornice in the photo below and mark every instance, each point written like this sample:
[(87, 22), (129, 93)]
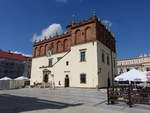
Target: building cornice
[(133, 58), (62, 36)]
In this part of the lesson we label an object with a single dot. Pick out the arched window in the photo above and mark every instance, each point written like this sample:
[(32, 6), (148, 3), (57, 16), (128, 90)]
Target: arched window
[(67, 81), (59, 46), (78, 37), (42, 51), (88, 33), (46, 49), (51, 47), (67, 63), (66, 44), (35, 52)]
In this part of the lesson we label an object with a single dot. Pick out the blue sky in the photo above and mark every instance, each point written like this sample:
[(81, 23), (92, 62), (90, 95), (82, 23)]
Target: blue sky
[(21, 19)]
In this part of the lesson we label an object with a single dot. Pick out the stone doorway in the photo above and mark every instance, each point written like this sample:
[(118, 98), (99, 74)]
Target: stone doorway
[(46, 73), (45, 78), (67, 81)]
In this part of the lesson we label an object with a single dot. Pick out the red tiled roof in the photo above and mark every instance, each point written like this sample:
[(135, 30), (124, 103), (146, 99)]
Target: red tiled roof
[(9, 55)]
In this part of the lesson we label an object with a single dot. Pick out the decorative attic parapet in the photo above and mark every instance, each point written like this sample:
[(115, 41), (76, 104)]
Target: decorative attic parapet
[(84, 22), (53, 38), (77, 33)]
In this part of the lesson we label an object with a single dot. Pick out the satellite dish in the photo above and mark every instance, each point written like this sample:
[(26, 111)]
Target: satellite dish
[(49, 53)]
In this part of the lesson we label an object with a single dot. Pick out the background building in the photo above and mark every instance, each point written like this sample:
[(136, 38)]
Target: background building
[(14, 65), (141, 63), (84, 56)]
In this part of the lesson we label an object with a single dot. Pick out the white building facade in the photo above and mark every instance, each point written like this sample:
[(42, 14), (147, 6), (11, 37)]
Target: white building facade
[(83, 57), (141, 63), (14, 65)]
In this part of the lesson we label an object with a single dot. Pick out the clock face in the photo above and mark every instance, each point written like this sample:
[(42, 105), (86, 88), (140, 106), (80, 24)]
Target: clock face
[(49, 53)]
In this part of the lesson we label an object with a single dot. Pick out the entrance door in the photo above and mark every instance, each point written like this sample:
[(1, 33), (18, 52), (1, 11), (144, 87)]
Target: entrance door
[(66, 81), (45, 79)]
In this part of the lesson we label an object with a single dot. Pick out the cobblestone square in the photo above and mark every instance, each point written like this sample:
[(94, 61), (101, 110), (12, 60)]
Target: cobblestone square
[(61, 100)]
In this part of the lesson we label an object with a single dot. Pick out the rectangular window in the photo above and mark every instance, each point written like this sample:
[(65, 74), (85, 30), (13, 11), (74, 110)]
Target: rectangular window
[(148, 69), (83, 78), (103, 57), (82, 56), (108, 60), (50, 62)]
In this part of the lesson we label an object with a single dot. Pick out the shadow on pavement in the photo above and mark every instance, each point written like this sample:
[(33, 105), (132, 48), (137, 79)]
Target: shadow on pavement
[(16, 104)]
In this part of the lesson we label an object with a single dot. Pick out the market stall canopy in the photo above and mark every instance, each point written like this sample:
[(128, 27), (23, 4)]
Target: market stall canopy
[(148, 76), (132, 75), (5, 78), (22, 78)]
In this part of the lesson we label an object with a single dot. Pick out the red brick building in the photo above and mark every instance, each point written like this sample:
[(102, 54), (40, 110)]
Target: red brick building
[(84, 56)]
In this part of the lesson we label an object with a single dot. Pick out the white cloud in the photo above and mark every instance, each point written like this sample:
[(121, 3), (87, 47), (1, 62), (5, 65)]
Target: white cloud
[(16, 52), (107, 23), (51, 31), (62, 1)]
